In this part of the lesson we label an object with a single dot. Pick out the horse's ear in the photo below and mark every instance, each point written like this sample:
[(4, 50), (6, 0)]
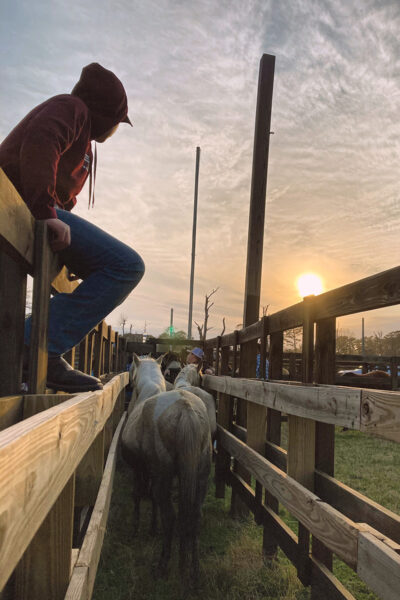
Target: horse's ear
[(134, 368), (160, 359), (136, 360)]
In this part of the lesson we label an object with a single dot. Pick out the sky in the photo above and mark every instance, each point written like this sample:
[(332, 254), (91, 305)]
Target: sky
[(190, 70)]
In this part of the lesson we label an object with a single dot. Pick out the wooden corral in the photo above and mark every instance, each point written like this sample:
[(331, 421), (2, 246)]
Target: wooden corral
[(338, 520), (55, 489)]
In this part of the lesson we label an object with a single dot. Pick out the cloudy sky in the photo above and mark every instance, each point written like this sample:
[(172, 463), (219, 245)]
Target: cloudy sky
[(190, 70)]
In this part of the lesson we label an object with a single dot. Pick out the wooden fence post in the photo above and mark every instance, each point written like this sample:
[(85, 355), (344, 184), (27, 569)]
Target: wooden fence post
[(116, 353), (12, 317), (84, 354), (301, 447), (325, 345), (224, 419), (44, 570), (43, 258), (270, 546), (98, 350)]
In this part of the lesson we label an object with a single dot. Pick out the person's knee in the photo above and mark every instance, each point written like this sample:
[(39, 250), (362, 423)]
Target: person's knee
[(135, 267)]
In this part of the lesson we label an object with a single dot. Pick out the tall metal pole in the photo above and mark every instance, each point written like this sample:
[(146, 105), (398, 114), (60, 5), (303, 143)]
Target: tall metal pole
[(362, 337), (196, 189)]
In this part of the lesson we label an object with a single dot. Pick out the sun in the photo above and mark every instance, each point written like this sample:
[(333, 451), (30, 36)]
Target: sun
[(309, 283)]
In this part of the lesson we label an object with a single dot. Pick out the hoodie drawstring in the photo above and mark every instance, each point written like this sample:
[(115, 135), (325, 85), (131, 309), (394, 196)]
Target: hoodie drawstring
[(92, 177)]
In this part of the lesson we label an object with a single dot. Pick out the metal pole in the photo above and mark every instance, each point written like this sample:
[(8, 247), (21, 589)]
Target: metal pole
[(171, 325), (196, 189), (362, 337)]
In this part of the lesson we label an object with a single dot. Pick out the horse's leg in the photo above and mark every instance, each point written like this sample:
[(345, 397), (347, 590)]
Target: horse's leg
[(162, 497), (202, 482), (136, 503)]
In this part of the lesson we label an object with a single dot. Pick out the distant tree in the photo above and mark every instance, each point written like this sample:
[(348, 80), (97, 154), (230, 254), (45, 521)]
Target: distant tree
[(177, 335), (292, 339), (203, 329), (122, 322)]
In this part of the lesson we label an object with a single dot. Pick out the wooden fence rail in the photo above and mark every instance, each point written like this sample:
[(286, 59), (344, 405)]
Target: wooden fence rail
[(338, 520), (54, 489)]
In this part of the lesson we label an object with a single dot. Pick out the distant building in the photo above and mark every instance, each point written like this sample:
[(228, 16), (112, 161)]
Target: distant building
[(134, 337)]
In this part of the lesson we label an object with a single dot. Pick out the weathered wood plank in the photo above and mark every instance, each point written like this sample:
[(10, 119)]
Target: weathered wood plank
[(224, 417), (325, 584), (337, 532), (44, 570), (89, 473), (377, 291), (43, 261), (379, 566), (11, 410), (285, 537), (325, 345), (322, 579), (37, 457), (329, 404), (81, 584), (12, 318), (270, 547), (380, 414), (35, 403), (16, 221), (250, 333), (356, 506)]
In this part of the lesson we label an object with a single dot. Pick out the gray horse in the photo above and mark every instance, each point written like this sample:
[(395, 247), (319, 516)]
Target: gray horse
[(167, 435)]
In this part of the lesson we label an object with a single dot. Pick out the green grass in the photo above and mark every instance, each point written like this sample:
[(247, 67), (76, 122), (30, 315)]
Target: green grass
[(230, 551), (230, 556)]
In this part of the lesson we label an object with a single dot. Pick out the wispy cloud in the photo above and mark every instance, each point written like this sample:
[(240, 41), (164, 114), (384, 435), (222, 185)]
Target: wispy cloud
[(190, 70)]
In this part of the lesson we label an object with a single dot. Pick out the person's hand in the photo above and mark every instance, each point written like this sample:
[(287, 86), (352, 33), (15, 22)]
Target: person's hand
[(60, 234)]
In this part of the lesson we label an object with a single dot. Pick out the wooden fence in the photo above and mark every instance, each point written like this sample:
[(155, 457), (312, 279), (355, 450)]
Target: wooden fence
[(339, 520), (57, 451)]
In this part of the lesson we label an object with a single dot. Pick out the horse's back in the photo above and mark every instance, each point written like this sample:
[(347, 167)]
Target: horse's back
[(209, 403)]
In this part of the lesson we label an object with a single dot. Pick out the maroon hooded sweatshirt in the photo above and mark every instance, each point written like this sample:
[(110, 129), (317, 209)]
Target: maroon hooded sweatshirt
[(48, 156)]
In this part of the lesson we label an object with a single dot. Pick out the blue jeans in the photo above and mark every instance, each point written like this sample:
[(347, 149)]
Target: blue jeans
[(109, 270)]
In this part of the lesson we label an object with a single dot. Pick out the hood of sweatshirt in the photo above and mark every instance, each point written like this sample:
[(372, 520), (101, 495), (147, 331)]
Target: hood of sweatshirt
[(105, 97)]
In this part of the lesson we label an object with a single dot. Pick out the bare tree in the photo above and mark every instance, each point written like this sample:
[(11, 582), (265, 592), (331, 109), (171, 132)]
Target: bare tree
[(223, 328), (123, 321), (265, 310), (292, 339), (202, 329)]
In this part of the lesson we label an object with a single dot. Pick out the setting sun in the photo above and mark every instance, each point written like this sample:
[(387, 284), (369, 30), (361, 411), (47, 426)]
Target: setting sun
[(308, 284)]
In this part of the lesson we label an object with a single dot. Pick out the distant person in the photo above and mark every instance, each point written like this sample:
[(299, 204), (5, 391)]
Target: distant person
[(48, 157), (195, 357), (265, 374)]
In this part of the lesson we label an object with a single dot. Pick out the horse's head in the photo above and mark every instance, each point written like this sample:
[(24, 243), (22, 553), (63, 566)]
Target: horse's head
[(188, 376), (142, 364)]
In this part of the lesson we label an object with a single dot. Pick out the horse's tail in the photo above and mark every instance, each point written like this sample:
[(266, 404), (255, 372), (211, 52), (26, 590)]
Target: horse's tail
[(193, 440)]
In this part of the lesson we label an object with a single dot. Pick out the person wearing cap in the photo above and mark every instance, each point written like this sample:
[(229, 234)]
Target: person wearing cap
[(48, 158), (195, 357)]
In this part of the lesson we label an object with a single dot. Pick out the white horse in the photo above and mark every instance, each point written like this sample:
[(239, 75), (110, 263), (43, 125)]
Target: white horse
[(167, 435), (189, 379), (151, 381)]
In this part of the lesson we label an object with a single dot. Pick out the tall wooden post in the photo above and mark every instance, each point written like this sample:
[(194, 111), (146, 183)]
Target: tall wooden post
[(256, 415)]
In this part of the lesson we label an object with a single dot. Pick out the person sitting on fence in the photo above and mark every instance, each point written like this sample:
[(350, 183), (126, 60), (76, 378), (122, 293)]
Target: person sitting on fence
[(48, 158)]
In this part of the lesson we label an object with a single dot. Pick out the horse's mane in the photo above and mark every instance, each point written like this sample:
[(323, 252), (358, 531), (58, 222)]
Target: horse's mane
[(188, 376)]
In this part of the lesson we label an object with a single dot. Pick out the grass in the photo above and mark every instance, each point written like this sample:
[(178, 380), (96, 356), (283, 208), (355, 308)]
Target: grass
[(230, 551)]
